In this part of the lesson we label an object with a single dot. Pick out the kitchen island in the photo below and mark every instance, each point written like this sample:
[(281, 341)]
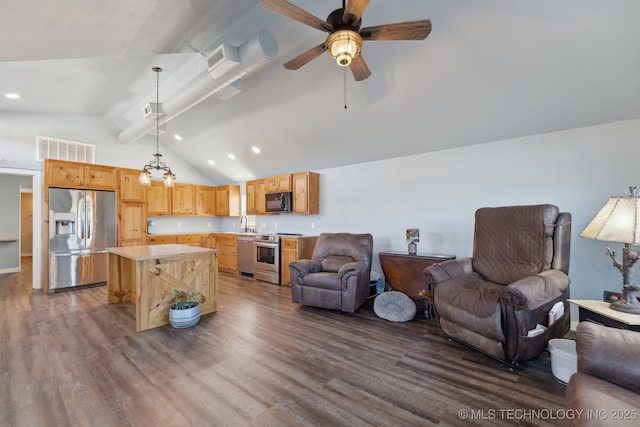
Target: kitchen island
[(148, 275)]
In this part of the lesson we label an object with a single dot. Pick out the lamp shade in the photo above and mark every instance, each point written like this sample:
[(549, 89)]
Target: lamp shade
[(617, 221)]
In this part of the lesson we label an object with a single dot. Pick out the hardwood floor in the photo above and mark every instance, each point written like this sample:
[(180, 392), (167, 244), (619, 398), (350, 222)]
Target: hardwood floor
[(70, 359)]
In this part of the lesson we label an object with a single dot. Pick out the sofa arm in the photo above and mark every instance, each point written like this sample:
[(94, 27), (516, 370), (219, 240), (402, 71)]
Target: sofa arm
[(609, 353), (352, 269), (302, 267), (532, 292), (446, 270)]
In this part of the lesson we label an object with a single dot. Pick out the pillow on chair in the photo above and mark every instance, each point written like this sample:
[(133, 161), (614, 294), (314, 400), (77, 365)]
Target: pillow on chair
[(394, 306)]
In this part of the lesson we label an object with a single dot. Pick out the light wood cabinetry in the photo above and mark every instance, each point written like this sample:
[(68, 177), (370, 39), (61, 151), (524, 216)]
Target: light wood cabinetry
[(228, 200), (158, 199), (132, 224), (162, 239), (278, 183), (306, 193), (205, 200), (293, 249), (189, 239), (255, 192), (227, 245), (59, 173), (183, 199), (132, 209), (130, 188)]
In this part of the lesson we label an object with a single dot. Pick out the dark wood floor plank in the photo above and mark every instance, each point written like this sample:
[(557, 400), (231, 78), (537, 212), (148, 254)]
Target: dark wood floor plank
[(70, 359)]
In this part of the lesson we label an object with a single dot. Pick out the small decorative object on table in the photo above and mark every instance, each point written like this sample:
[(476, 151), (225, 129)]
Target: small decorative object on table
[(185, 310), (413, 236)]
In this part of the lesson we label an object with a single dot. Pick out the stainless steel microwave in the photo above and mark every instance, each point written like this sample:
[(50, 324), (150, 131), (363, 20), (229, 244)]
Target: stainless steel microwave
[(278, 202)]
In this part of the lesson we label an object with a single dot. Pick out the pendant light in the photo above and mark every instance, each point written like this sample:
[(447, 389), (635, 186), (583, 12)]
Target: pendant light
[(145, 174)]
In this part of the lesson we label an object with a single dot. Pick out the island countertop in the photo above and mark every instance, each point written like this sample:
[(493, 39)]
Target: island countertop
[(141, 253)]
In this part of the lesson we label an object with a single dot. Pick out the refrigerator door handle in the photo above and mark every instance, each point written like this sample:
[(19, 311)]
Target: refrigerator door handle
[(81, 218), (90, 216)]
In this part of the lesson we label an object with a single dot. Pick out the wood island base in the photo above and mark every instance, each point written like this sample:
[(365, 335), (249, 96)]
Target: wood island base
[(148, 275)]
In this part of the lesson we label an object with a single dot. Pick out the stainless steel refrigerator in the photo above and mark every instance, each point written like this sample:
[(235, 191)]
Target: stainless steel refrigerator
[(82, 224)]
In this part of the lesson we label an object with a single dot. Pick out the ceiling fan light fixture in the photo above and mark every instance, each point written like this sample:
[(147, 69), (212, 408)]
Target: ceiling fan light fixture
[(344, 46)]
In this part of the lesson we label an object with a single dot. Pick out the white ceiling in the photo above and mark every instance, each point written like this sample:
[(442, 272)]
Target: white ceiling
[(490, 70)]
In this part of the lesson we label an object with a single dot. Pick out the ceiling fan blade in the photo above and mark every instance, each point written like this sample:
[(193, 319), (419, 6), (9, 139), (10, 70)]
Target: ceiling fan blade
[(412, 30), (354, 10), (359, 68), (286, 9), (305, 57)]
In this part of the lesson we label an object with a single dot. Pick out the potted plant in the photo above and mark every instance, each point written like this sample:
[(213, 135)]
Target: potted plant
[(185, 310)]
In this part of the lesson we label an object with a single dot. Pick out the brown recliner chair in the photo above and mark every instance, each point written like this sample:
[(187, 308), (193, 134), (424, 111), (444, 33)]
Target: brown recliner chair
[(517, 273), (606, 388), (337, 277)]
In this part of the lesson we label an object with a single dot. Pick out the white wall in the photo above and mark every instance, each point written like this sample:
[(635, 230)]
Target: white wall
[(577, 170)]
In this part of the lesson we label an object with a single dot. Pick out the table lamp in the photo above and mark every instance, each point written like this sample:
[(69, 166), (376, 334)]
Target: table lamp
[(619, 221), (413, 236)]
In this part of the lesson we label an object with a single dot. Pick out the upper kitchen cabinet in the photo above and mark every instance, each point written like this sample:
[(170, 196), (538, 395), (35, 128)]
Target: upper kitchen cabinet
[(158, 199), (255, 197), (280, 183), (183, 199), (228, 200), (306, 193), (130, 188), (205, 200), (60, 173)]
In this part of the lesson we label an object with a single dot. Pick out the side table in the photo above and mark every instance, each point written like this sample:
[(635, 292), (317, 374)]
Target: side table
[(599, 312), (403, 273)]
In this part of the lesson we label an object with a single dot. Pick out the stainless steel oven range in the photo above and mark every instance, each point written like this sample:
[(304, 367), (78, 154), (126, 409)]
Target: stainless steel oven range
[(267, 258)]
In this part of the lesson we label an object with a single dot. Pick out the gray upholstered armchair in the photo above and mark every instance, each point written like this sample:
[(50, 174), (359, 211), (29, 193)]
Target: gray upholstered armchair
[(517, 273), (337, 276)]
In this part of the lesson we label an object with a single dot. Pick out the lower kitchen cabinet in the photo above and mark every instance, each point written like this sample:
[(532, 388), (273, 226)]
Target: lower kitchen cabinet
[(293, 249), (227, 245)]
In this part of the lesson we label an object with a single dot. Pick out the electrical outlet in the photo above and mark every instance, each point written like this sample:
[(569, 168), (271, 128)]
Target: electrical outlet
[(275, 225), (313, 225), (179, 225), (209, 224)]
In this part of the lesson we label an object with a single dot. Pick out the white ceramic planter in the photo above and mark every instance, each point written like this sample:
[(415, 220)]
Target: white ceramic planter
[(186, 317)]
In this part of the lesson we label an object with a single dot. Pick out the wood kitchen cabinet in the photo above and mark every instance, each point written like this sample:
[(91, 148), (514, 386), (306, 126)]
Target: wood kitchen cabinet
[(158, 199), (162, 239), (228, 200), (255, 192), (60, 173), (132, 224), (183, 199), (227, 245), (293, 249), (130, 188), (280, 183), (205, 200), (306, 193)]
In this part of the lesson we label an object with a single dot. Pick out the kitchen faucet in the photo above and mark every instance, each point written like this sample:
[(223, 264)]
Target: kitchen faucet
[(243, 217)]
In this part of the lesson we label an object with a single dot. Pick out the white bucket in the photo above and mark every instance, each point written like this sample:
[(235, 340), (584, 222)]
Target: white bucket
[(564, 360)]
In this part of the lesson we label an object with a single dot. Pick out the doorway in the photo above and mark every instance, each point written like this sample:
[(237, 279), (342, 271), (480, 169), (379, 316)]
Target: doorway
[(26, 222), (36, 248)]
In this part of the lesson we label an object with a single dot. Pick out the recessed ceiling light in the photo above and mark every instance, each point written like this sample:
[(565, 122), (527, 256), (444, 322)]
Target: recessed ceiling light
[(211, 162), (177, 137), (255, 150), (232, 157), (12, 95)]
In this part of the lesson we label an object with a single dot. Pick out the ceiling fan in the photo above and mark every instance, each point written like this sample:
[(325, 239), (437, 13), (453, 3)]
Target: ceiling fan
[(345, 35)]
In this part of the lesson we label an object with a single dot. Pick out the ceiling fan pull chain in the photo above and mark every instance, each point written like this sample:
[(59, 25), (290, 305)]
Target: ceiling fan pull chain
[(345, 87)]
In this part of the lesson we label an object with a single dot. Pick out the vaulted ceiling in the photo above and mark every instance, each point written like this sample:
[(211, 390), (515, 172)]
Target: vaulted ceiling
[(490, 70)]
